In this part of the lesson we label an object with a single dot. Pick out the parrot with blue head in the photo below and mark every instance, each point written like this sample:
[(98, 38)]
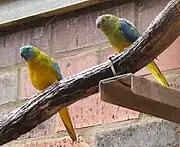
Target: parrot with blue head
[(121, 33), (44, 71)]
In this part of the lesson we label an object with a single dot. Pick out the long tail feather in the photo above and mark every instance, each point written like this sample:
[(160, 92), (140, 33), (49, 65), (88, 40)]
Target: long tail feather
[(64, 114), (153, 68)]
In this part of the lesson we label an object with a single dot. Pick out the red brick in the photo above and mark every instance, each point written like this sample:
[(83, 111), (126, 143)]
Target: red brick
[(127, 11), (26, 38), (64, 35), (85, 112), (169, 59), (111, 113), (9, 45), (114, 11), (26, 88), (92, 111), (77, 63), (105, 53), (148, 10), (27, 34), (8, 86), (49, 127), (88, 33), (41, 37)]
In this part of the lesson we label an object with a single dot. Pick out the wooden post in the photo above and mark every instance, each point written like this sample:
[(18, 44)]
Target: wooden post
[(140, 94)]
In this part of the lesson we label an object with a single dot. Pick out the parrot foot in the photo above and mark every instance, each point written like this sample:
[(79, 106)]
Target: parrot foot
[(111, 56), (112, 66)]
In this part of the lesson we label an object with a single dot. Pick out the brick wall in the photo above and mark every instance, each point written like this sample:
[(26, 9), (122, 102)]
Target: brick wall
[(77, 44)]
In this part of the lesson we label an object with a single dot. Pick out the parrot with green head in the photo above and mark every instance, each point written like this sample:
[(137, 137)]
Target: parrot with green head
[(44, 71), (121, 33)]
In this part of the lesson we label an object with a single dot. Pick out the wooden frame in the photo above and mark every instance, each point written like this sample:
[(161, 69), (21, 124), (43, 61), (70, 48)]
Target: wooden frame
[(140, 94), (30, 12)]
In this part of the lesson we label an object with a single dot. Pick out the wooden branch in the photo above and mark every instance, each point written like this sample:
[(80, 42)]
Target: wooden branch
[(140, 94), (161, 33)]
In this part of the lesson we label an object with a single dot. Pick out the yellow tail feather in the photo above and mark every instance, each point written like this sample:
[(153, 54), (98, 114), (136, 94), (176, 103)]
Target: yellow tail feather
[(64, 114), (153, 68)]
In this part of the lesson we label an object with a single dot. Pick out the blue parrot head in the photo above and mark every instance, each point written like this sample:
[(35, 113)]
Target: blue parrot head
[(28, 52)]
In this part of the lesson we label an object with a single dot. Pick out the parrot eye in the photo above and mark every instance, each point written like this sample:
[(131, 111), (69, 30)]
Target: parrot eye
[(107, 17), (103, 20), (28, 49)]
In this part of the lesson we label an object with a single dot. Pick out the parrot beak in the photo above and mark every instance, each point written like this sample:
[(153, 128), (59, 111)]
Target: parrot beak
[(22, 55), (98, 22), (98, 25)]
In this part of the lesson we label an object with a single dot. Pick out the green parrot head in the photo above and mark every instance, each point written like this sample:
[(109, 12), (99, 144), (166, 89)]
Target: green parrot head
[(28, 52), (107, 22)]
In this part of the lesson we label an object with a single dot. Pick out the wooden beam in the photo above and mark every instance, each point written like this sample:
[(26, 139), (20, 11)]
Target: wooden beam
[(28, 11), (161, 33), (142, 95)]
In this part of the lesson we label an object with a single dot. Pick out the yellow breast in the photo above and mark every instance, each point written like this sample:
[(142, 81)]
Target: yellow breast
[(42, 75), (121, 46)]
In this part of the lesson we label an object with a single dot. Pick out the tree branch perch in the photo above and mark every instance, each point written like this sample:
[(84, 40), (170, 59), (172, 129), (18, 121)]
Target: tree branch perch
[(161, 33)]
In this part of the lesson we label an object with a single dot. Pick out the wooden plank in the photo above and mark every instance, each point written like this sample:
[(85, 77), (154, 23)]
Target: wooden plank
[(20, 11), (142, 95)]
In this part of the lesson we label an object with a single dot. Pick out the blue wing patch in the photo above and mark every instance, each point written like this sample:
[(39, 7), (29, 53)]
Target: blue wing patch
[(56, 66), (128, 30)]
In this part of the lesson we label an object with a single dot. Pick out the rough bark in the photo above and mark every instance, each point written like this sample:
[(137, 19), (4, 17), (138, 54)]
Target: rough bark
[(161, 33)]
